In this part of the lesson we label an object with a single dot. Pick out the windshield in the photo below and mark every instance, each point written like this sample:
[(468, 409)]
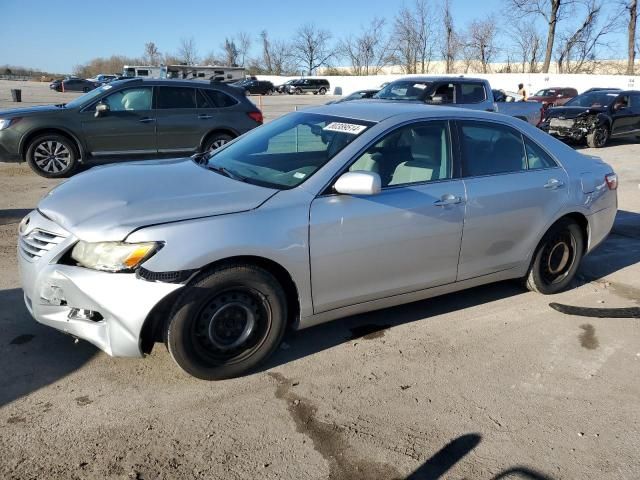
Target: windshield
[(88, 97), (547, 92), (403, 90), (285, 152), (592, 99)]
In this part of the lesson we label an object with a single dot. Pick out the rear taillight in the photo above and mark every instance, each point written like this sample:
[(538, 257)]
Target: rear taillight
[(612, 181), (256, 116)]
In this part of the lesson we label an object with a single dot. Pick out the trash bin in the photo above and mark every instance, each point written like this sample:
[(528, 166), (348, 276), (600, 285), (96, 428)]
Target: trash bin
[(16, 95)]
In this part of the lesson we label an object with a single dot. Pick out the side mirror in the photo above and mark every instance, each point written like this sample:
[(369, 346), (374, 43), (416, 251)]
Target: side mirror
[(101, 109), (358, 183)]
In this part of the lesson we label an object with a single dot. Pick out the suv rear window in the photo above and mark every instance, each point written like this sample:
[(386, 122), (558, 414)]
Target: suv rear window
[(176, 97), (472, 93)]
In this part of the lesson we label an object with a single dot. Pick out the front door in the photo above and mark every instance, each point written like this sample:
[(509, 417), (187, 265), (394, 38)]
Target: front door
[(128, 128), (513, 188), (406, 238), (623, 117)]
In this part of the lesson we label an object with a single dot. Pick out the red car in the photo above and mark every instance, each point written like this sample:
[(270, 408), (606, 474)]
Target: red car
[(553, 97)]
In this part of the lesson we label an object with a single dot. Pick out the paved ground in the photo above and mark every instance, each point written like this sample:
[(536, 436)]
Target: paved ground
[(484, 384)]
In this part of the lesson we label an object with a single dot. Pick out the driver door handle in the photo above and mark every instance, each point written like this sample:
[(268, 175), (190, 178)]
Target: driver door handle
[(447, 199), (553, 184), (204, 116), (146, 120)]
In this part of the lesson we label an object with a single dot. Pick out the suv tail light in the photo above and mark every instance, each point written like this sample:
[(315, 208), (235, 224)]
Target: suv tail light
[(256, 116), (612, 181)]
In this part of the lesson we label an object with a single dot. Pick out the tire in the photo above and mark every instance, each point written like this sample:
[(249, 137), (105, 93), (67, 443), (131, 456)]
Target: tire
[(599, 137), (270, 92), (85, 89), (556, 259), (227, 322), (216, 140), (298, 91), (322, 91), (52, 156)]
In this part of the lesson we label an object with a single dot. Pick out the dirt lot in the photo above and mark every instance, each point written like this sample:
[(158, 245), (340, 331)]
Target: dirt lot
[(488, 383)]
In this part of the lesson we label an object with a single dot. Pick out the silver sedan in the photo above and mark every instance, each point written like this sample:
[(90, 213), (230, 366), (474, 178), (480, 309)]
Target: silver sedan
[(323, 213)]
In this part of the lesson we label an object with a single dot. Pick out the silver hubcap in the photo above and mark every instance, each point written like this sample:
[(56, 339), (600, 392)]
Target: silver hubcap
[(218, 144), (231, 325), (52, 156), (558, 258)]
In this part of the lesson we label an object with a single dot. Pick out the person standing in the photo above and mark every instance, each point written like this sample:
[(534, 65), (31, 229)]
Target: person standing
[(522, 91)]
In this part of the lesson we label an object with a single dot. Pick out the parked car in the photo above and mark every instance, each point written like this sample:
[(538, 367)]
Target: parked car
[(595, 117), (73, 85), (357, 95), (553, 97), (598, 89), (102, 78), (313, 85), (328, 212), (258, 87), (283, 87), (464, 92), (126, 119)]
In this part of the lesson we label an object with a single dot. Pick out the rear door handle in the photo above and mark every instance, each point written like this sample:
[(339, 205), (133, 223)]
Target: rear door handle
[(447, 199), (553, 184), (203, 116), (147, 120)]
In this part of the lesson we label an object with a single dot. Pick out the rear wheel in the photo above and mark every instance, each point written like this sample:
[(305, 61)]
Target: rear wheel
[(52, 156), (598, 137), (216, 140), (322, 91), (556, 259), (227, 322), (298, 91)]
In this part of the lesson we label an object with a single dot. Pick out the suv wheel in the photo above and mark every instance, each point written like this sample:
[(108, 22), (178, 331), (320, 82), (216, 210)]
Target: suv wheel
[(52, 156), (227, 322), (298, 91), (216, 141), (598, 137), (322, 91)]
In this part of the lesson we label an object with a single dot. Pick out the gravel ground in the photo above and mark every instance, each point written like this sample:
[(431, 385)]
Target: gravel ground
[(487, 383)]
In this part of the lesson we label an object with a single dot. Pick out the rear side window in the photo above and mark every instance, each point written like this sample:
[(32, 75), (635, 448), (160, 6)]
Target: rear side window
[(635, 100), (472, 93), (176, 97), (536, 157), (490, 148), (216, 98)]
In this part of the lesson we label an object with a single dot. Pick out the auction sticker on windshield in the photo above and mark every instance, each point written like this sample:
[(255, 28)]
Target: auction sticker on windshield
[(351, 128)]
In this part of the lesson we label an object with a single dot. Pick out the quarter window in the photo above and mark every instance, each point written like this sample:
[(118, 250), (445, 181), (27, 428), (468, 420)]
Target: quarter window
[(412, 154), (176, 97), (489, 149), (537, 157), (217, 99), (130, 99)]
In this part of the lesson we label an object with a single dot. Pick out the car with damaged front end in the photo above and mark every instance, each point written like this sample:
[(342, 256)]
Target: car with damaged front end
[(595, 117), (328, 212)]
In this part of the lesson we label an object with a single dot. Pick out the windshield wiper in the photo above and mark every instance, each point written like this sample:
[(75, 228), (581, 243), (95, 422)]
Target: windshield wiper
[(226, 172)]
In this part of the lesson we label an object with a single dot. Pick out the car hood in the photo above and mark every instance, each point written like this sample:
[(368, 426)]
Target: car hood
[(572, 112), (21, 112), (108, 203)]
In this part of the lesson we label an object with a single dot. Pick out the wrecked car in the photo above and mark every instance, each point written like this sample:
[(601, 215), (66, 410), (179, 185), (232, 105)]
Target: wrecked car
[(595, 117)]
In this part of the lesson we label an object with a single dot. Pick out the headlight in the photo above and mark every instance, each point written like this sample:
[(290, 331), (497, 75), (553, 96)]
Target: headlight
[(113, 256)]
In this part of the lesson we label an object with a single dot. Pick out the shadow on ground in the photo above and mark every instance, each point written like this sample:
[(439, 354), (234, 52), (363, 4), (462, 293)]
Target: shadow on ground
[(9, 216), (33, 355)]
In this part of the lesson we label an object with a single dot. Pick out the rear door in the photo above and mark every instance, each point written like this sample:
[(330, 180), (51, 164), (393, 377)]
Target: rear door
[(215, 111), (514, 188), (179, 128), (128, 128), (635, 110)]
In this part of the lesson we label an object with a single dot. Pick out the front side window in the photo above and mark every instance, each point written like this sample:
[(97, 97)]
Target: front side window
[(130, 99), (444, 93), (490, 148), (176, 97), (285, 152), (414, 153)]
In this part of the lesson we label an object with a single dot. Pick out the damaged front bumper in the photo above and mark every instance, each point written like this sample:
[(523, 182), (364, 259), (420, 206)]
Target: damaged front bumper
[(575, 129)]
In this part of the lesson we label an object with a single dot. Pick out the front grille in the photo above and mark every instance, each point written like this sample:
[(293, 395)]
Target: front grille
[(38, 242)]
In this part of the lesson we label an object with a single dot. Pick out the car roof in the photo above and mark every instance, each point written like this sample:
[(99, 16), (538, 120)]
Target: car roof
[(372, 110), (436, 78), (174, 82)]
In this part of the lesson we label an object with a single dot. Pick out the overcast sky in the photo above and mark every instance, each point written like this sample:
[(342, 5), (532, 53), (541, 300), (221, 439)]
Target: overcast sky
[(56, 35)]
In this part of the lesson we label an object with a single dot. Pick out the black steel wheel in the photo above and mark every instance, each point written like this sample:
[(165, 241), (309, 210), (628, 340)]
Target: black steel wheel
[(227, 322), (556, 259)]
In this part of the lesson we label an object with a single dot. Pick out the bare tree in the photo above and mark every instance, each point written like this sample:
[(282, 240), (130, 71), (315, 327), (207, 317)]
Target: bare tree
[(450, 41), (481, 40), (577, 50), (243, 44), (282, 58), (266, 52), (311, 47), (151, 53), (552, 11), (631, 8), (230, 52), (187, 51), (527, 45), (367, 52), (413, 35)]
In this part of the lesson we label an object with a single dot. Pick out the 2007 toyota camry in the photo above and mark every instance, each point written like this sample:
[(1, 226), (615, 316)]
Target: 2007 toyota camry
[(320, 214)]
